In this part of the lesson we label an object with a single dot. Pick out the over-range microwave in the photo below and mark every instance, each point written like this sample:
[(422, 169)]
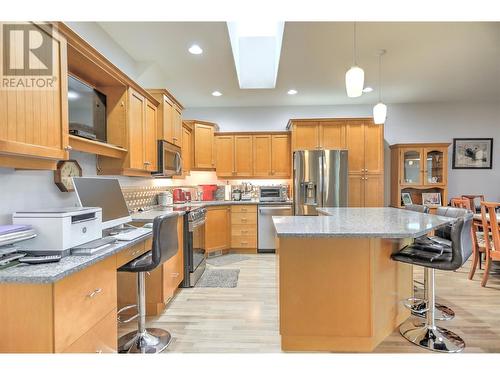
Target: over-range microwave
[(169, 160)]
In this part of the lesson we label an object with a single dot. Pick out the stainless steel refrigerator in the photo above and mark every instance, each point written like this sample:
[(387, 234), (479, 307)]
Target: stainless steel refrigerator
[(320, 180)]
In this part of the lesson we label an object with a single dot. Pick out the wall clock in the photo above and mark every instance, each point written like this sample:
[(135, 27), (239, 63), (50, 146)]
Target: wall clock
[(66, 169)]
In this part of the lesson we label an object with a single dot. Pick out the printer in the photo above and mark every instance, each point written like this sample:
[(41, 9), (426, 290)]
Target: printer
[(60, 229)]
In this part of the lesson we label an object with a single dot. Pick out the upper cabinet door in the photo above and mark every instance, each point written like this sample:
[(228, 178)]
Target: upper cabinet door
[(243, 155), (137, 112), (356, 190), (167, 125), (35, 122), (332, 135), (224, 146), (355, 143), (411, 166), (150, 144), (262, 146), (177, 127), (204, 157), (186, 151), (280, 160), (435, 166), (306, 136), (374, 148)]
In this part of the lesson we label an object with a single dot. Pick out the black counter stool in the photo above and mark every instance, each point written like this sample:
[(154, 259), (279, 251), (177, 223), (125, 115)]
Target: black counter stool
[(425, 333), (441, 237), (165, 245)]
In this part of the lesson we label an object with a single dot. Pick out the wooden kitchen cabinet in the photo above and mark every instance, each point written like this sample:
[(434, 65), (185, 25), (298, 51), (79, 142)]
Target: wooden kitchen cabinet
[(34, 123), (243, 155), (257, 155), (244, 228), (204, 144), (224, 145), (305, 135), (186, 149), (418, 168), (366, 190), (262, 155), (169, 116), (139, 138), (332, 135), (280, 156), (218, 228)]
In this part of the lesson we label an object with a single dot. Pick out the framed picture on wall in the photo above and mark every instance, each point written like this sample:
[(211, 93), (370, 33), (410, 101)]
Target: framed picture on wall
[(406, 199), (472, 153)]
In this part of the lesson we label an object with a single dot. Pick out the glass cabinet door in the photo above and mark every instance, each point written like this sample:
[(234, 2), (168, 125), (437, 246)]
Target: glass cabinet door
[(434, 167), (412, 166)]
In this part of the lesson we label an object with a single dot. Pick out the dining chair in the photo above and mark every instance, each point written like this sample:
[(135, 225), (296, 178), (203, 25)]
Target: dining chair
[(491, 235), (475, 201)]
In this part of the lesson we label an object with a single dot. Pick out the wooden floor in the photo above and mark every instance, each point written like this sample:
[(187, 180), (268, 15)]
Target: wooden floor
[(245, 318)]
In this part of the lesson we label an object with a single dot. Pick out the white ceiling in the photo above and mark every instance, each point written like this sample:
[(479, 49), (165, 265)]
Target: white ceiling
[(425, 62)]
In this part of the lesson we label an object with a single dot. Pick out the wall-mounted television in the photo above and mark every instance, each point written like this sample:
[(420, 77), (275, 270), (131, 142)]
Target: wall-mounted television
[(87, 110)]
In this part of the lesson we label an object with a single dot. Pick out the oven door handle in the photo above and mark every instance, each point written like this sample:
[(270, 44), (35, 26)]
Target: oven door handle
[(196, 224)]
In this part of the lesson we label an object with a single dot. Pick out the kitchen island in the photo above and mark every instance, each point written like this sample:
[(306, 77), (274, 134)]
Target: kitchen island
[(339, 290)]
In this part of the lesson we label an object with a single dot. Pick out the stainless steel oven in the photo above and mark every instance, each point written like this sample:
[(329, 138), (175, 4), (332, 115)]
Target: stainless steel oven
[(194, 246), (169, 160)]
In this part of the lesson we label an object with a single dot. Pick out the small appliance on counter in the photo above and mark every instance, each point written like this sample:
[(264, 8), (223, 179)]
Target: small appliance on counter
[(165, 199), (236, 194), (179, 196), (60, 229), (273, 193), (208, 192)]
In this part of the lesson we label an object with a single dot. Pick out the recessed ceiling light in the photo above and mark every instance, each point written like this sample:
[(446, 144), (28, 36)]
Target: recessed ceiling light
[(195, 49), (292, 92), (217, 93), (368, 89)]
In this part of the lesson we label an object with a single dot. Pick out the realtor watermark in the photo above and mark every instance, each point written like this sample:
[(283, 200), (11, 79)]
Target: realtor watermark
[(27, 57)]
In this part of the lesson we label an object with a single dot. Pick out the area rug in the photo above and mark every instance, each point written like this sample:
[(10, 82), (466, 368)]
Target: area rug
[(226, 259), (225, 278)]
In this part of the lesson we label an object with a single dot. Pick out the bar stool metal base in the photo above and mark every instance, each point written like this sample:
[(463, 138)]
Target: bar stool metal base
[(442, 312), (437, 339), (153, 340)]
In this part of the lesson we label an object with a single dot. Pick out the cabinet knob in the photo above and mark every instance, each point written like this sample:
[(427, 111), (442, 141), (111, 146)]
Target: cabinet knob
[(147, 163), (68, 148)]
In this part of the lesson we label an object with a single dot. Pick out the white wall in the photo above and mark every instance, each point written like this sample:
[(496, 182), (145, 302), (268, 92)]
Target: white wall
[(406, 123)]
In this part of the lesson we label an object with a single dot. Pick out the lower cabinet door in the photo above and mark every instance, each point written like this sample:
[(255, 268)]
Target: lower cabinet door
[(217, 232), (374, 190), (356, 187), (102, 338)]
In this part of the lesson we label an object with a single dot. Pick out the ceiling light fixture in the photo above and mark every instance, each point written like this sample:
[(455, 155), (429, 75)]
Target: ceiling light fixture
[(256, 50), (217, 93), (355, 76), (367, 89), (195, 49), (380, 109), (292, 92)]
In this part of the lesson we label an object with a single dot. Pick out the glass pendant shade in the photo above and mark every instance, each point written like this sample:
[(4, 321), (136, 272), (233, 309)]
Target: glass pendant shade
[(354, 82), (379, 113)]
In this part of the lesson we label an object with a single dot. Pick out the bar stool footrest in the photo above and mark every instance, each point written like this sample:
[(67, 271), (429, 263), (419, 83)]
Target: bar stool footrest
[(416, 305)]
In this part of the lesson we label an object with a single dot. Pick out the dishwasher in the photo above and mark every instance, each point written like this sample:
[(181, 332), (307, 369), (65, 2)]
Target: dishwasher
[(267, 232)]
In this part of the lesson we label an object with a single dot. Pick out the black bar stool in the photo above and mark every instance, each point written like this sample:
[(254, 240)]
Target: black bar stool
[(165, 245), (425, 333)]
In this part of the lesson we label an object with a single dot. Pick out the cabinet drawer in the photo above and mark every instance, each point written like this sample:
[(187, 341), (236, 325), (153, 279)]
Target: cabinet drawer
[(244, 242), (243, 218), (101, 338), (244, 230), (133, 252), (82, 300), (244, 208)]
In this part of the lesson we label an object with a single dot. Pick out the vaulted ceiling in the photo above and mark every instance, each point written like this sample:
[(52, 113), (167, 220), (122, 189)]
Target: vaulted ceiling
[(425, 62)]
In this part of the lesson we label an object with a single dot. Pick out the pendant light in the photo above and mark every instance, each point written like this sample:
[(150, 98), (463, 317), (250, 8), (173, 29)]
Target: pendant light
[(380, 109), (355, 76)]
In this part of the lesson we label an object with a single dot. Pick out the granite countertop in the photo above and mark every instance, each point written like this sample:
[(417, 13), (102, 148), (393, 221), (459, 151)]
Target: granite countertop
[(383, 222), (52, 272), (182, 208)]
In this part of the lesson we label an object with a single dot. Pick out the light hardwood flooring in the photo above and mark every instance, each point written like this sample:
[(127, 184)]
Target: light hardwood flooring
[(245, 318)]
